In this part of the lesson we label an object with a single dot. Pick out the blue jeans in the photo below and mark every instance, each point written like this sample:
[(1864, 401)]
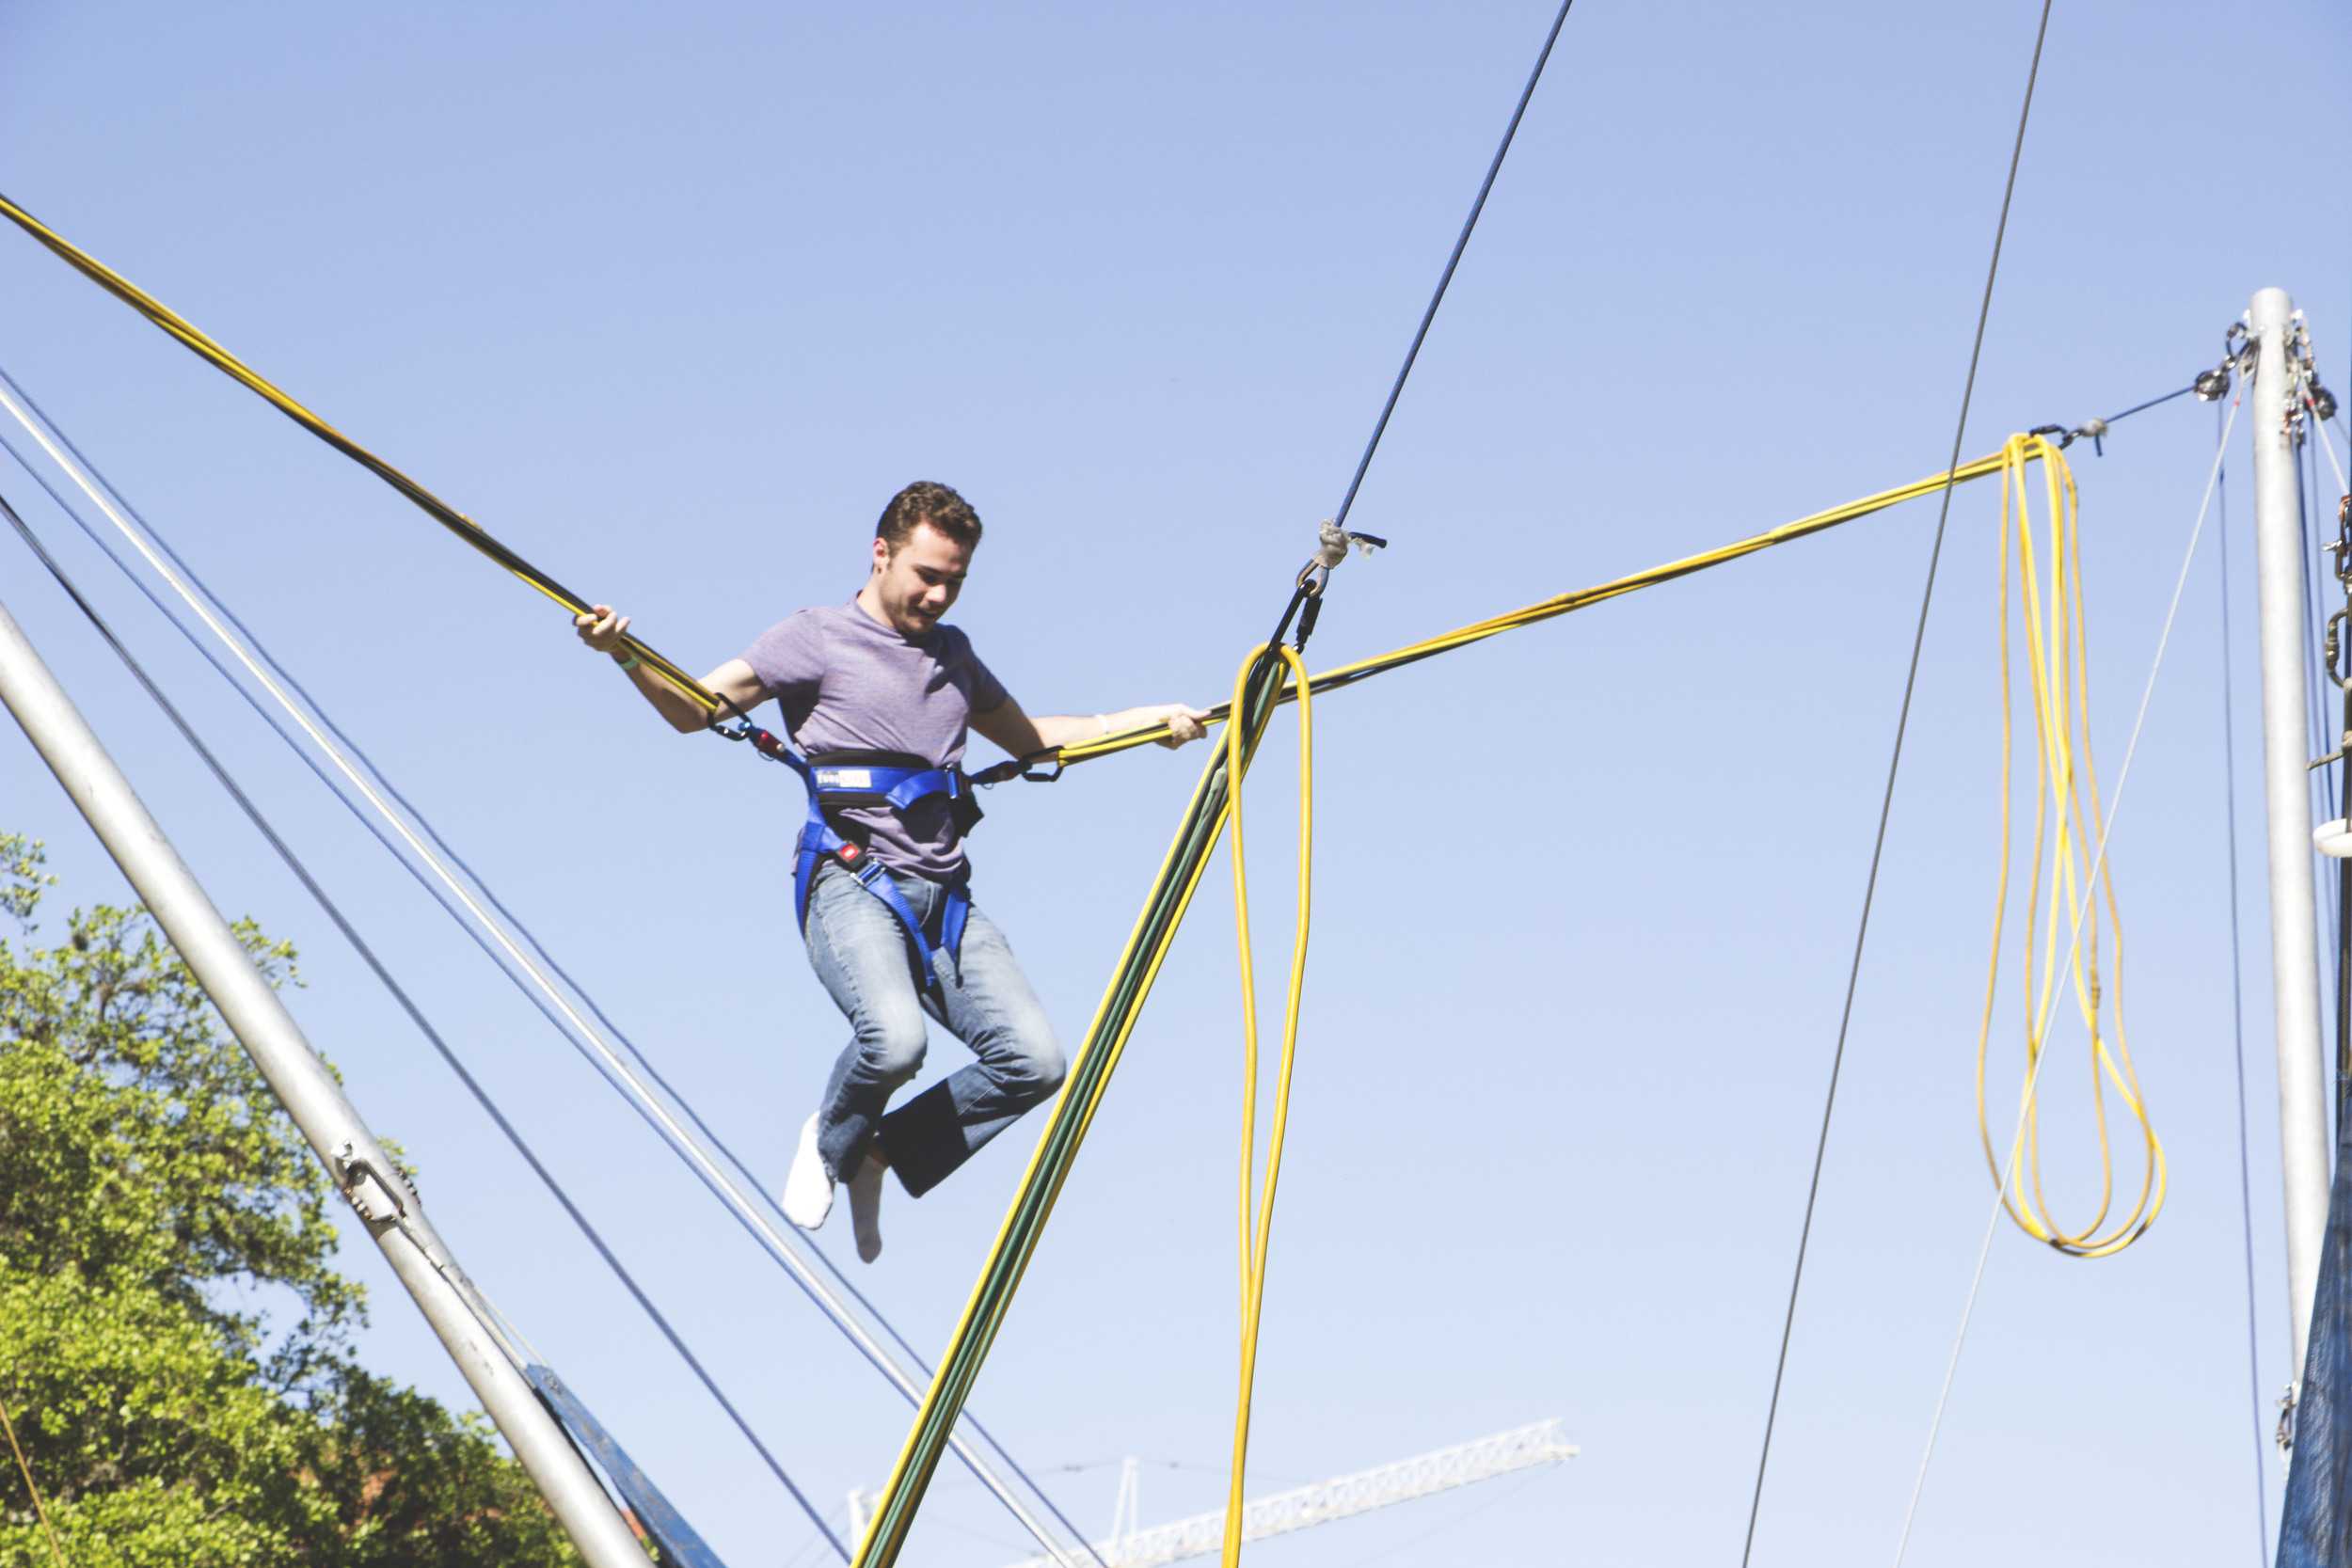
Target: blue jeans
[(863, 957)]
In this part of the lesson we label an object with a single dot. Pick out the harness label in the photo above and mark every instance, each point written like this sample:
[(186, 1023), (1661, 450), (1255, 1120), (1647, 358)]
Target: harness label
[(845, 777)]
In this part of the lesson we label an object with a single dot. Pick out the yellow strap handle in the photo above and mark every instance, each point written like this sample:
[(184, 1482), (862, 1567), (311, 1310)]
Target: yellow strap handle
[(1256, 1241)]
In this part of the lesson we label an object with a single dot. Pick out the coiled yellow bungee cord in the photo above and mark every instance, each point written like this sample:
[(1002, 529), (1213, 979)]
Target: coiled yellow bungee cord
[(2068, 824)]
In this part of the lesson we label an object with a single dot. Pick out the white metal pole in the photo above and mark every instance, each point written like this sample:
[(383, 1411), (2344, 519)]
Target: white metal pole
[(386, 1206), (2286, 756)]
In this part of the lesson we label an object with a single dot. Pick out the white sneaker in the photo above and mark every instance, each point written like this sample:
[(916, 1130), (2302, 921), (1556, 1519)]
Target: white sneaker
[(866, 1196), (807, 1190)]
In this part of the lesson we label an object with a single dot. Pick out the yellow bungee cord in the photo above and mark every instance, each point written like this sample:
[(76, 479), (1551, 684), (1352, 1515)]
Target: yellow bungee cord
[(2068, 829), (1257, 1234)]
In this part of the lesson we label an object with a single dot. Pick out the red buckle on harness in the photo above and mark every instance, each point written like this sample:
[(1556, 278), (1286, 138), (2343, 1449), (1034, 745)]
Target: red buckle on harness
[(848, 853)]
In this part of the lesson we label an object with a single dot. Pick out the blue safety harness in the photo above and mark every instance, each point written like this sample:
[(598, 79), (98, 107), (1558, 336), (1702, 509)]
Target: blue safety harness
[(840, 780)]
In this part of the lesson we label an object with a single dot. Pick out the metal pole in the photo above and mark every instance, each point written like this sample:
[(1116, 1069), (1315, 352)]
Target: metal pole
[(2286, 752), (386, 1205)]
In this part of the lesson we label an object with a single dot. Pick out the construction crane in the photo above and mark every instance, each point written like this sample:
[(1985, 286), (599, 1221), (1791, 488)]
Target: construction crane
[(1130, 1546)]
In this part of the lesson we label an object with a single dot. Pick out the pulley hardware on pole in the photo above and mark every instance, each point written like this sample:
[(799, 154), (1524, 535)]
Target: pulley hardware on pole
[(387, 1206), (2287, 749)]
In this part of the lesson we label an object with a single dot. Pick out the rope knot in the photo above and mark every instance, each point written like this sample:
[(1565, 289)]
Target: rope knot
[(1331, 544)]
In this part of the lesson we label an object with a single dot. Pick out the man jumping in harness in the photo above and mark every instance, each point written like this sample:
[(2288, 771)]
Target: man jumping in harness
[(878, 695)]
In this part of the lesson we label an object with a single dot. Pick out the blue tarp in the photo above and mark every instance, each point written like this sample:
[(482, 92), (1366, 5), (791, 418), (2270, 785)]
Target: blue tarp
[(680, 1547), (2316, 1529)]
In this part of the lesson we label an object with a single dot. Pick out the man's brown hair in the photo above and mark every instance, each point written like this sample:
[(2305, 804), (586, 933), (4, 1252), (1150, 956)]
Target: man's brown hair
[(925, 502)]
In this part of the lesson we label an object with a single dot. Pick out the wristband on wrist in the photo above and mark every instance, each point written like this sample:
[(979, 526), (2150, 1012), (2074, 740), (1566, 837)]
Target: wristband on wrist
[(628, 662)]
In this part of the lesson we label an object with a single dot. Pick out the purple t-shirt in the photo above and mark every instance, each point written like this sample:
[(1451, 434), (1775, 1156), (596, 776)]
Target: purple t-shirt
[(849, 683)]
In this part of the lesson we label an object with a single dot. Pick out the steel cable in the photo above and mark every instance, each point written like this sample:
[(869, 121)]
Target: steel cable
[(1454, 260), (1886, 803)]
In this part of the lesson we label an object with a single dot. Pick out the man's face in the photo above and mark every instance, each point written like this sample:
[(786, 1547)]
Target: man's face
[(917, 582)]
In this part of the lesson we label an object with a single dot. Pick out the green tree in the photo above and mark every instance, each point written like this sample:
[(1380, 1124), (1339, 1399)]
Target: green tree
[(155, 1206)]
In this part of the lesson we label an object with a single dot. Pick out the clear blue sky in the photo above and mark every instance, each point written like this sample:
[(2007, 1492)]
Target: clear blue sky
[(674, 299)]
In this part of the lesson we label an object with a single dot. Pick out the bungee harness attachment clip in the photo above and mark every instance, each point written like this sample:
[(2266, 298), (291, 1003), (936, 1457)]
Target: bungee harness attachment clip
[(1333, 543), (1045, 768)]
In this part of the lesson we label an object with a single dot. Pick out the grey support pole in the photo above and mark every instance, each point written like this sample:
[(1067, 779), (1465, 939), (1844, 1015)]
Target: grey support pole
[(387, 1206), (2286, 787)]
